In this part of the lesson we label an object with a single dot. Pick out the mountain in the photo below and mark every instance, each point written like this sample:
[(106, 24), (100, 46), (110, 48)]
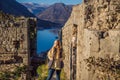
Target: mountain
[(14, 8), (17, 9), (42, 24), (35, 8), (58, 13)]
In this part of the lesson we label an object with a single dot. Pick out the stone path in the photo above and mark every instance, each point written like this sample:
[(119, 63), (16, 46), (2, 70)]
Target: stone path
[(54, 78)]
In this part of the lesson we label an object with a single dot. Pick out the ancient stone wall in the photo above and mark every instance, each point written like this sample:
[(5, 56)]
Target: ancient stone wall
[(17, 34), (98, 34)]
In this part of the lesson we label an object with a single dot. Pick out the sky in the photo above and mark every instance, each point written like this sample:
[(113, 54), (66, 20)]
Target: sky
[(52, 1)]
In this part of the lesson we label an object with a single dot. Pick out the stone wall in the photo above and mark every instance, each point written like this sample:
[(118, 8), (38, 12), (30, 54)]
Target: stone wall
[(98, 34), (17, 34)]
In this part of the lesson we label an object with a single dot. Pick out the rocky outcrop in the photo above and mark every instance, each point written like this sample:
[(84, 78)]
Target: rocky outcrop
[(97, 26), (17, 41)]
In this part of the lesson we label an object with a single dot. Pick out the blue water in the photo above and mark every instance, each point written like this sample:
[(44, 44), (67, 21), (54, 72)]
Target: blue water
[(45, 40)]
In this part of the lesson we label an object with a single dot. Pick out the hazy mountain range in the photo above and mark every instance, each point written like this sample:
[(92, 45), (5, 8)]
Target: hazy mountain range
[(17, 9), (35, 8), (48, 15), (57, 13)]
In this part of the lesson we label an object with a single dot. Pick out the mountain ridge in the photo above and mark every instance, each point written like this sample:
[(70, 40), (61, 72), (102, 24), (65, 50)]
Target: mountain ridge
[(13, 7), (35, 8), (58, 13)]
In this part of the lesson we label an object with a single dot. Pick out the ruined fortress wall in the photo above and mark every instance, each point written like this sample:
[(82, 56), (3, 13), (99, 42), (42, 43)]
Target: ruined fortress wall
[(15, 38), (98, 34), (67, 31)]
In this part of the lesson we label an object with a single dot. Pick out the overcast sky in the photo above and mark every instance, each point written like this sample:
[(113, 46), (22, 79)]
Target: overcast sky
[(52, 1)]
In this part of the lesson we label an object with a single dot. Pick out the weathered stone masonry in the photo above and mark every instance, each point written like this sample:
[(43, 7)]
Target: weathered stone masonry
[(17, 34), (98, 34)]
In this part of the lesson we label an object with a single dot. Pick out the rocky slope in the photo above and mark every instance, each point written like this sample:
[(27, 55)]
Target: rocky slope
[(58, 13)]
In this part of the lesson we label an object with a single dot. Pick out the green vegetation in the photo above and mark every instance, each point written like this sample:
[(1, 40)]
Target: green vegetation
[(7, 75), (18, 71), (43, 72)]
